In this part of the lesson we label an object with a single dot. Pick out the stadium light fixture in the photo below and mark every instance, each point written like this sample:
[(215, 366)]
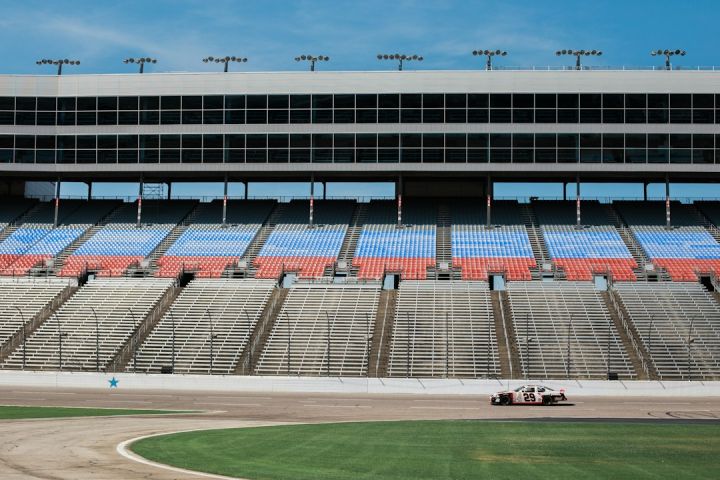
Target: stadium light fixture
[(312, 59), (489, 54), (579, 53), (59, 62), (140, 61), (226, 60), (668, 54), (400, 58)]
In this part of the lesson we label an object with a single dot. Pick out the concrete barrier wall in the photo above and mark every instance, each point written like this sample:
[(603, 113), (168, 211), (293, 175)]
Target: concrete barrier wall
[(234, 383)]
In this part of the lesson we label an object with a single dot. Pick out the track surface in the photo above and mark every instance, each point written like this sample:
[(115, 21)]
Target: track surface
[(84, 448)]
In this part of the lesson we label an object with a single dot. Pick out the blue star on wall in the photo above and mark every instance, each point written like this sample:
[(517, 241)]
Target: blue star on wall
[(113, 382)]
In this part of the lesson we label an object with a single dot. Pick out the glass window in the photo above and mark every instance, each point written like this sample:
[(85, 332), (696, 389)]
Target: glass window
[(523, 100), (680, 100), (170, 117), (500, 100), (235, 102), (44, 141), (256, 116), (656, 100), (192, 117), (213, 141), (278, 116), (567, 116), (545, 100), (635, 140), (546, 115), (46, 103), (680, 115), (433, 140), (703, 116), (366, 140), (614, 116), (149, 141), (389, 100), (567, 100), (235, 140), (322, 140), (322, 116), (545, 140), (169, 141), (107, 141), (170, 103), (299, 116), (477, 115), (192, 102), (433, 100), (477, 140), (300, 140), (680, 155), (65, 104), (366, 116), (388, 140), (523, 115), (590, 116), (702, 141), (499, 140), (27, 103), (212, 117), (149, 103), (679, 140), (84, 103), (128, 103), (522, 140), (500, 115), (590, 100), (344, 101), (388, 116), (700, 100), (278, 101), (344, 140), (613, 100), (86, 142), (590, 140), (344, 116), (613, 140), (256, 140), (299, 101), (456, 115), (635, 100), (213, 102), (8, 103), (455, 100), (410, 115), (6, 141), (455, 140), (478, 100), (127, 141), (322, 101), (256, 101), (567, 140), (366, 101), (411, 140), (411, 100)]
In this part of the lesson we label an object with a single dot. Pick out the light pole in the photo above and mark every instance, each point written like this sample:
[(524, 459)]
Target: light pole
[(668, 54), (212, 339), (59, 63), (24, 332), (577, 54), (225, 60), (312, 59), (140, 61), (400, 58), (489, 54), (97, 340)]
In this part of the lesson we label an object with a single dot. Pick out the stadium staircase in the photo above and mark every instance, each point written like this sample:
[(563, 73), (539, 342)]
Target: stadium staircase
[(442, 270), (37, 299), (382, 334), (633, 246), (256, 343), (248, 270), (540, 250), (149, 266), (347, 251), (124, 356), (637, 353), (507, 353)]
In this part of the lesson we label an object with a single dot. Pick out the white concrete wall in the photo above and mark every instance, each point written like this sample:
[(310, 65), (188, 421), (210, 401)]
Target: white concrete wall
[(130, 381)]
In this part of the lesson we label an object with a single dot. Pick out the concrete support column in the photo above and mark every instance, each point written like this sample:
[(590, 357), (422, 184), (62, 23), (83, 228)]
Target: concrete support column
[(139, 207), (645, 185), (312, 199), (245, 196), (564, 190), (399, 201), (577, 203), (324, 184), (57, 202), (489, 192), (225, 193), (89, 185), (169, 185), (668, 224)]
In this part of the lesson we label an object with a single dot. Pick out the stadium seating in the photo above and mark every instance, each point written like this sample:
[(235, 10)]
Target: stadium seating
[(665, 316), (383, 247), (504, 248), (207, 247), (683, 252), (120, 303), (443, 329), (233, 307), (119, 244), (30, 296), (294, 246), (301, 343), (551, 318), (711, 210)]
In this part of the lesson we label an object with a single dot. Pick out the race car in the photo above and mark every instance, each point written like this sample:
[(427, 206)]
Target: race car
[(528, 395)]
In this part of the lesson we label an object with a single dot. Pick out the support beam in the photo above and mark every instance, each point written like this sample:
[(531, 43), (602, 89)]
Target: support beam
[(398, 192), (245, 195), (139, 207), (225, 193), (89, 185), (577, 203), (169, 185), (312, 199), (645, 188), (668, 224), (324, 184), (564, 191), (489, 192), (57, 202)]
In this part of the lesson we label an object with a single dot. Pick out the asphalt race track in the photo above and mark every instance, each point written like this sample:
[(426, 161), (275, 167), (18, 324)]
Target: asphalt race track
[(85, 448)]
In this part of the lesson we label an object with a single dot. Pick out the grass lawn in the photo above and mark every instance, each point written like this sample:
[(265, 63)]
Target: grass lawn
[(8, 412), (446, 450)]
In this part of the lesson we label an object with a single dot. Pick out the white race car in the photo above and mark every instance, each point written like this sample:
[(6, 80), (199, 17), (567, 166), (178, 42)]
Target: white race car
[(528, 395)]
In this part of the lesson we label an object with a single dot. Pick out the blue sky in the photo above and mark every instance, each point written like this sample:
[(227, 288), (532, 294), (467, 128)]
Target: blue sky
[(271, 33)]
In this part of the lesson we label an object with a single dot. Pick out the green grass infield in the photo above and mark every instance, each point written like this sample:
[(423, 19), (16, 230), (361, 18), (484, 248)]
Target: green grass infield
[(14, 412), (440, 450)]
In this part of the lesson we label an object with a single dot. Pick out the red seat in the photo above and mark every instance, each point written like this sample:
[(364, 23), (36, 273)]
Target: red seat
[(22, 264), (515, 269), (104, 265), (582, 269), (373, 268), (687, 269), (305, 267)]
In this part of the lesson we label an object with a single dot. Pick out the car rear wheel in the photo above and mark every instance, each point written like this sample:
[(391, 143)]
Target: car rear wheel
[(505, 401), (547, 401)]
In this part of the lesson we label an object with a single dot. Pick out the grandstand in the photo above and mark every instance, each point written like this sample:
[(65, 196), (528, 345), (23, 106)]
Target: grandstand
[(441, 279)]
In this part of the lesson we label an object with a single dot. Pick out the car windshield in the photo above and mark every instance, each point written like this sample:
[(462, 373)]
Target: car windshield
[(519, 389)]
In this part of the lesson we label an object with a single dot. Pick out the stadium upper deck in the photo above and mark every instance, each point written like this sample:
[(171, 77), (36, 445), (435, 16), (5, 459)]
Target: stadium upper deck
[(601, 124)]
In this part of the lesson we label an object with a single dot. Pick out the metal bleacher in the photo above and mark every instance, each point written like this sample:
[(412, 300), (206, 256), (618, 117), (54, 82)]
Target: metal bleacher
[(224, 308), (121, 304), (443, 329), (322, 330), (678, 324), (564, 330)]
